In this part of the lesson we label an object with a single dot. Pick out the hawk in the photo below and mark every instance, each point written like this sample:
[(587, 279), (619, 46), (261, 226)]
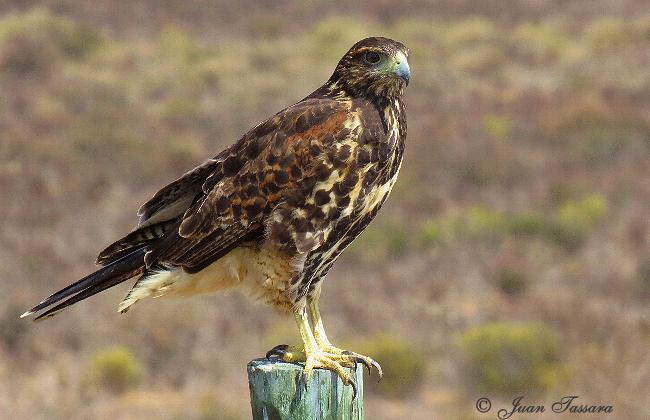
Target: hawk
[(272, 213)]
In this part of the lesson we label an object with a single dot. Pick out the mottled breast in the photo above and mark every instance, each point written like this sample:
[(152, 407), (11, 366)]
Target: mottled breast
[(378, 145)]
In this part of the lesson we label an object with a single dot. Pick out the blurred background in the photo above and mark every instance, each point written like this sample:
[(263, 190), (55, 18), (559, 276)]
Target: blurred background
[(512, 258)]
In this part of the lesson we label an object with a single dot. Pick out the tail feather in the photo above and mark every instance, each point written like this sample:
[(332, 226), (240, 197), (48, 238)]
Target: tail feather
[(116, 272), (134, 240), (93, 290)]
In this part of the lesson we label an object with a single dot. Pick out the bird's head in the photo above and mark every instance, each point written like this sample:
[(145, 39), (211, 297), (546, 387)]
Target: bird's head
[(374, 67)]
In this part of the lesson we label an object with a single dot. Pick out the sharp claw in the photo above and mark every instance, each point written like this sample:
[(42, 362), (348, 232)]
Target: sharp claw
[(278, 350), (306, 374), (354, 388), (365, 363), (380, 372)]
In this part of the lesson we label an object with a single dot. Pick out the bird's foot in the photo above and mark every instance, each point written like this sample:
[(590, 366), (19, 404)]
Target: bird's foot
[(287, 353), (353, 358), (320, 359)]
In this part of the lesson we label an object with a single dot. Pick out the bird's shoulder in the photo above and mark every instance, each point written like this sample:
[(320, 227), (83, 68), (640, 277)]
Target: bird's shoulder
[(308, 119), (244, 179), (270, 159)]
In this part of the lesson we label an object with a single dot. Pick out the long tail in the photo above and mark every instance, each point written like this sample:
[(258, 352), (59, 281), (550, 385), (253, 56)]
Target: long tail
[(114, 273)]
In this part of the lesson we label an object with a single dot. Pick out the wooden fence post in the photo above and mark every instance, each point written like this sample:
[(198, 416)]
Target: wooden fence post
[(278, 392)]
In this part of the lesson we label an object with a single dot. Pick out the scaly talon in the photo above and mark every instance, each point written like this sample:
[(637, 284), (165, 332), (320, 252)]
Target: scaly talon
[(320, 353), (324, 360), (278, 351), (354, 388), (380, 372), (365, 363), (315, 357), (347, 358), (318, 359), (368, 362), (353, 357), (286, 353)]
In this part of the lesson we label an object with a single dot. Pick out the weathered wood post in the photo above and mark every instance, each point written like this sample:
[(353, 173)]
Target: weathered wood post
[(278, 392)]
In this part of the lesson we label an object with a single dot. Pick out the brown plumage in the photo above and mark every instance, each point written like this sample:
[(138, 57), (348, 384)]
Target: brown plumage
[(273, 211)]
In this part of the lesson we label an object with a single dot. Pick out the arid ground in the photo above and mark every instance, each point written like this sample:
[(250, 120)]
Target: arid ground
[(513, 257)]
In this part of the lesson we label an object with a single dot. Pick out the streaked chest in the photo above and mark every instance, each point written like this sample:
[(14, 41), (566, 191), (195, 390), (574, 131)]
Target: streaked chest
[(375, 146), (379, 179)]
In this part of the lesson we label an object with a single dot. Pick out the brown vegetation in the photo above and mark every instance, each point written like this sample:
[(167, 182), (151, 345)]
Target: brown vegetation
[(520, 220)]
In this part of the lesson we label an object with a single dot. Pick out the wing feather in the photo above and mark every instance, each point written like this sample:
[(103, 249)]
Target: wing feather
[(293, 140), (164, 205), (274, 163)]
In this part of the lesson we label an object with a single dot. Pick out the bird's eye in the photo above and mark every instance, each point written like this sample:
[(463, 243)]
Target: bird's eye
[(372, 57)]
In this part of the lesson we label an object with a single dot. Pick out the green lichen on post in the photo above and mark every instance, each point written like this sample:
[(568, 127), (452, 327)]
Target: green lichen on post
[(279, 392)]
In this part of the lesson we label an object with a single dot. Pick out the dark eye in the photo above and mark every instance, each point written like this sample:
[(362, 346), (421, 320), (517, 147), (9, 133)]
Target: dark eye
[(372, 57)]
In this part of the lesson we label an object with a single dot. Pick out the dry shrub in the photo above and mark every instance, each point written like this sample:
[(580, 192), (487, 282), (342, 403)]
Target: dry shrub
[(114, 370), (403, 364), (34, 41), (511, 358)]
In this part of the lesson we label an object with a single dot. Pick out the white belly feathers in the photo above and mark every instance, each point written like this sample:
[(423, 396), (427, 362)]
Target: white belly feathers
[(263, 272)]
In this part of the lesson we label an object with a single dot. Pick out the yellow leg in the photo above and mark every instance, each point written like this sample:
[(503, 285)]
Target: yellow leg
[(308, 339), (312, 355), (345, 357), (319, 329)]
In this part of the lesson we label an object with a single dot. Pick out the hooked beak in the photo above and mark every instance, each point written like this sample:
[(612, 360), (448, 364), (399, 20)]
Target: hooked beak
[(402, 69)]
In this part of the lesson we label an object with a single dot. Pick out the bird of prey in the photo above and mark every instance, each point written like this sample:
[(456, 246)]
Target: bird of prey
[(272, 213)]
